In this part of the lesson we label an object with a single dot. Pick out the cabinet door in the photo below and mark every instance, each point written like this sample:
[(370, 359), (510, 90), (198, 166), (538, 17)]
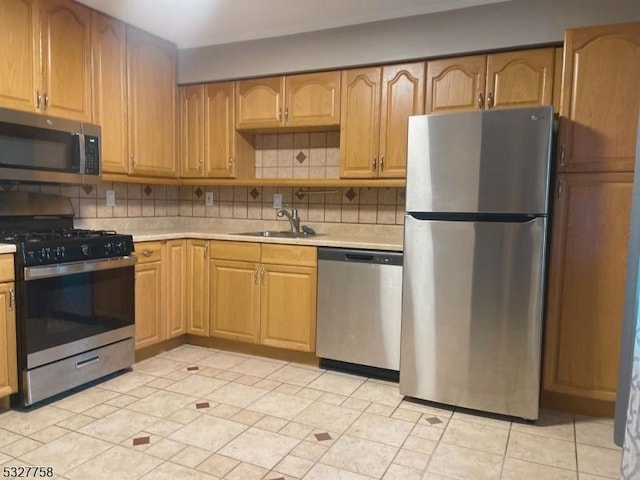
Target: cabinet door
[(402, 96), (288, 307), (198, 287), (456, 84), (174, 292), (600, 98), (20, 67), (219, 131), (148, 304), (259, 103), (192, 131), (586, 284), (8, 355), (151, 95), (360, 123), (109, 47), (66, 55), (520, 79), (235, 300), (312, 99)]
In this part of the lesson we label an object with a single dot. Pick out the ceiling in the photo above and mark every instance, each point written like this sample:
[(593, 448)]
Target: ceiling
[(196, 23)]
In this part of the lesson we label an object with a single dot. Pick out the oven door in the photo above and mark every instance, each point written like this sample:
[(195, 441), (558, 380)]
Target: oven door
[(75, 307)]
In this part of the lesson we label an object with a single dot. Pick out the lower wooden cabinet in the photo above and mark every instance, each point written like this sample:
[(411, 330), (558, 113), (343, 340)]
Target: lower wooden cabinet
[(174, 271), (8, 354), (197, 271)]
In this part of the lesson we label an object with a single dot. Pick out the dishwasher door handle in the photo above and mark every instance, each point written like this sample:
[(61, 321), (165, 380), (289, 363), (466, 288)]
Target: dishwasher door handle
[(359, 257)]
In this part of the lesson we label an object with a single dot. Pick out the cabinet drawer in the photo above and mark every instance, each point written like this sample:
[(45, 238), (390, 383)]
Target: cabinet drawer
[(243, 251), (148, 252), (6, 268), (289, 255)]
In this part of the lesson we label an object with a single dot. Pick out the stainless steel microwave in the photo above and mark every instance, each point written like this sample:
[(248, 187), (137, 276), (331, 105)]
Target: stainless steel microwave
[(39, 148)]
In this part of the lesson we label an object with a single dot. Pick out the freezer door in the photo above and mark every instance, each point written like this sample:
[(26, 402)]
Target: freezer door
[(472, 314), (480, 162)]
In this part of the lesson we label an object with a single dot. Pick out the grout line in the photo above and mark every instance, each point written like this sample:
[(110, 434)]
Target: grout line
[(506, 448)]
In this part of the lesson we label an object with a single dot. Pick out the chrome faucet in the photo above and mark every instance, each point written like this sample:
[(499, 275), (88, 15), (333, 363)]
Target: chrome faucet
[(294, 220)]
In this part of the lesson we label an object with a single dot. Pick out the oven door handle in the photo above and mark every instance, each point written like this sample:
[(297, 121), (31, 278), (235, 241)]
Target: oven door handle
[(73, 268)]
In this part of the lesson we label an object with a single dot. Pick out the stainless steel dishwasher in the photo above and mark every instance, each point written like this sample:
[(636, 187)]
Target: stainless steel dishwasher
[(359, 307)]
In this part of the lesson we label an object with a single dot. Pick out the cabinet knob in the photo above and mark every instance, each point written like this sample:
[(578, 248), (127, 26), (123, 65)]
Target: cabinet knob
[(490, 100), (38, 99), (206, 250), (46, 100), (374, 164), (133, 160), (562, 155), (382, 164), (230, 165), (201, 165), (12, 299), (147, 253), (480, 101), (286, 114), (255, 276), (280, 113), (262, 276)]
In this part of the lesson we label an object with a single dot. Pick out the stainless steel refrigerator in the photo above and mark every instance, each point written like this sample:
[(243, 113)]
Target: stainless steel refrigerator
[(477, 198)]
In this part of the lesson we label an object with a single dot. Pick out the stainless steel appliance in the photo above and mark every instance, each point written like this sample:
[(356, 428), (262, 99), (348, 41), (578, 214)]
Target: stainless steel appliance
[(74, 296), (359, 304), (39, 148), (474, 272)]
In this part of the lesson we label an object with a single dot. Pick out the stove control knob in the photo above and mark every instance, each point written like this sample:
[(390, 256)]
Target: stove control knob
[(85, 250), (108, 248)]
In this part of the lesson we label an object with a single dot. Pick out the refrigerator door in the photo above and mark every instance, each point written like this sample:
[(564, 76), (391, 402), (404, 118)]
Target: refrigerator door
[(472, 314), (480, 162)]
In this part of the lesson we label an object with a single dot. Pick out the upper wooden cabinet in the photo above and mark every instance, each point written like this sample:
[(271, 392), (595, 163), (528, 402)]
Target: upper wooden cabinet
[(151, 65), (109, 47), (210, 145), (600, 98), (307, 100), (376, 105), (46, 54), (502, 80)]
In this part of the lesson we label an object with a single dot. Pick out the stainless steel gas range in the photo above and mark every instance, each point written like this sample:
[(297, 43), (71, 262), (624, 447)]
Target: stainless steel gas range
[(74, 296)]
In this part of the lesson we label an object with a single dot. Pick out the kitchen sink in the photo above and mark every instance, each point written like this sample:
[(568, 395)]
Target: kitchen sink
[(278, 234)]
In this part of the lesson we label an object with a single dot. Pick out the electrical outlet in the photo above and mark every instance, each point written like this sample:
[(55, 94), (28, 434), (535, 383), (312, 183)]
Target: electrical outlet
[(277, 200), (111, 198), (208, 199)]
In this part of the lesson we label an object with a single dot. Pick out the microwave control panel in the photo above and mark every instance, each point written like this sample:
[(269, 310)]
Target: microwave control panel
[(92, 155)]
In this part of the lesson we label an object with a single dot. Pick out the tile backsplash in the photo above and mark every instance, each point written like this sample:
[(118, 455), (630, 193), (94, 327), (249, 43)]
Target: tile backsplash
[(384, 206)]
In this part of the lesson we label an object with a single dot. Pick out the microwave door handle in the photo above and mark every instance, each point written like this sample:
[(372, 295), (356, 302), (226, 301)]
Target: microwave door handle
[(82, 152)]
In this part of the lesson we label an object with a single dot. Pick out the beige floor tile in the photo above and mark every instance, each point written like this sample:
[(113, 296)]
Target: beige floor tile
[(164, 427), (118, 462), (122, 401), (310, 393), (259, 447), (178, 375), (158, 366), (4, 458), (197, 386), (464, 463), (356, 404), (143, 391), (228, 376), (330, 417), (66, 452), (257, 367), (100, 411), (545, 450), (295, 375), (237, 395), (288, 389), (515, 469), (599, 461), (588, 476), (20, 447), (161, 403), (247, 380), (7, 437), (118, 426), (161, 383), (295, 466), (309, 451), (76, 422), (380, 429), (587, 418), (438, 410), (379, 393), (209, 433), (186, 415), (280, 405), (596, 434), (127, 382), (164, 448), (244, 471), (296, 430), (400, 472), (223, 411), (428, 432), (377, 409), (327, 442), (414, 460), (222, 361), (406, 415), (273, 424), (421, 445), (171, 471), (326, 472), (247, 417), (476, 436), (483, 419), (47, 435), (435, 476), (81, 401), (190, 456), (218, 465), (27, 423), (549, 424), (332, 398), (187, 354), (339, 383), (359, 456)]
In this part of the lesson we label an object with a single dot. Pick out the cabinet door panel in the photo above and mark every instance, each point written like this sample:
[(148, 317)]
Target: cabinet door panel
[(192, 129), (520, 79), (312, 99), (402, 96), (586, 284), (8, 355), (66, 53), (360, 123), (259, 103), (288, 320), (235, 300), (148, 304), (109, 47), (219, 131), (20, 67), (456, 84), (175, 276), (197, 288), (600, 98)]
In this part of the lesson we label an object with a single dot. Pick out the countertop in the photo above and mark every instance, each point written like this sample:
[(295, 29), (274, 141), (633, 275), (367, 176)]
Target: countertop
[(7, 248)]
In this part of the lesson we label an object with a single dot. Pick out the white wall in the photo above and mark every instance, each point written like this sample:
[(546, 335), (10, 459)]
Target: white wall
[(497, 26)]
